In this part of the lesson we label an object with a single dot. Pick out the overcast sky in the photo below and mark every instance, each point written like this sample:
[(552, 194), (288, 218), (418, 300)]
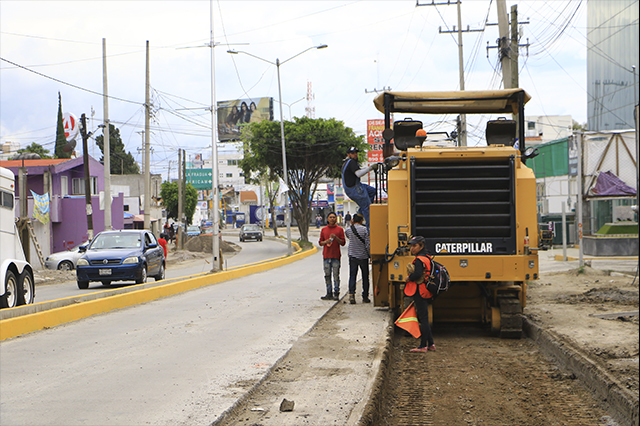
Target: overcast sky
[(371, 45)]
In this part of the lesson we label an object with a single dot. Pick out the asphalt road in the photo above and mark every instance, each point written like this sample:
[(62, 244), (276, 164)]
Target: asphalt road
[(251, 252), (179, 360)]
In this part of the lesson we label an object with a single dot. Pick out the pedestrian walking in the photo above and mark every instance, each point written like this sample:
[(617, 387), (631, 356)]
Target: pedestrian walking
[(331, 238), (416, 287), (358, 236), (163, 243), (347, 220)]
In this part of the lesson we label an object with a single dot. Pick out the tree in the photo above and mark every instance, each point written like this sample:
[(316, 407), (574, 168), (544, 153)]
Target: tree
[(169, 194), (36, 149), (578, 126), (61, 139), (314, 148), (121, 162), (265, 176)]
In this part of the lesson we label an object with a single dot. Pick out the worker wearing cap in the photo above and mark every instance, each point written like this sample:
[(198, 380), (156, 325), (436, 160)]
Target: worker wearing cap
[(416, 287), (359, 192)]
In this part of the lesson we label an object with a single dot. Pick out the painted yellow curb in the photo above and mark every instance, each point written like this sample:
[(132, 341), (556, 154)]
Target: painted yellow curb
[(12, 327)]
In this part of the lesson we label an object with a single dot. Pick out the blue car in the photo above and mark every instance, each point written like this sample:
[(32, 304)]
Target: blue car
[(129, 255)]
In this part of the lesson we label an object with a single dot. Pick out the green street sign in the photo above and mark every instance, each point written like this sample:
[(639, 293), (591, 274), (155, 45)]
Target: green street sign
[(199, 178)]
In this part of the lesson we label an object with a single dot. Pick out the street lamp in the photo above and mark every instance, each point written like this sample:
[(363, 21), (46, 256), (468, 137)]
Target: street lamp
[(293, 103), (285, 174)]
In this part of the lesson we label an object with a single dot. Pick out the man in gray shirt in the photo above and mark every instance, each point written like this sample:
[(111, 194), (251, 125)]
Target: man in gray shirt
[(358, 236)]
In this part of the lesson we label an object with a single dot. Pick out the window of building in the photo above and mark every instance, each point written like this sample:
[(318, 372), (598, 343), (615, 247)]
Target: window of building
[(232, 162), (64, 186), (229, 175), (126, 207), (531, 125), (78, 186)]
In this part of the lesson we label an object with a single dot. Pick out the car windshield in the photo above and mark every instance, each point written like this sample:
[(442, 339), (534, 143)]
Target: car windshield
[(120, 240), (251, 228), (193, 228)]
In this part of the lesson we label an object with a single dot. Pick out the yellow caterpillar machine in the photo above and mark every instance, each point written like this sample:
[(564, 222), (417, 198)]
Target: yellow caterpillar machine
[(475, 207)]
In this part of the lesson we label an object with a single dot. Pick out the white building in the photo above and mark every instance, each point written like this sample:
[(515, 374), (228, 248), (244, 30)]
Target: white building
[(547, 128)]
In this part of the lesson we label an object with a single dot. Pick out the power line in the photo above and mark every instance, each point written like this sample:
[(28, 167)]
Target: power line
[(68, 84)]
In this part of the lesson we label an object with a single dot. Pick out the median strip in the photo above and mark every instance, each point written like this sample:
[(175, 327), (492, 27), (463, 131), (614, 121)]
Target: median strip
[(75, 309)]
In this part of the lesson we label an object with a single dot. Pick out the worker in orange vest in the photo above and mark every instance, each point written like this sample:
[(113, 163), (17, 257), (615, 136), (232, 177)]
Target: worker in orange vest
[(416, 287)]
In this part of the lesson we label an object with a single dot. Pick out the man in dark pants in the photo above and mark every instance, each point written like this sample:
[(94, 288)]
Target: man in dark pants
[(416, 287), (359, 192), (358, 236)]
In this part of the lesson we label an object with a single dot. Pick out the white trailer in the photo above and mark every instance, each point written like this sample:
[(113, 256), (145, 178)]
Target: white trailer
[(16, 274)]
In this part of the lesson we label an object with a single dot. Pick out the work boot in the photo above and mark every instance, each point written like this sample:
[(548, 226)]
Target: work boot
[(352, 298), (365, 299), (336, 296), (328, 296)]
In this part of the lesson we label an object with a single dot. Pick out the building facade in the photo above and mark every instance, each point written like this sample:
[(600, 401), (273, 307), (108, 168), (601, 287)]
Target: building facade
[(612, 52)]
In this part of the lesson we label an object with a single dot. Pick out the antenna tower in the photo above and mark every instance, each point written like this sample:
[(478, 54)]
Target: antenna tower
[(310, 109)]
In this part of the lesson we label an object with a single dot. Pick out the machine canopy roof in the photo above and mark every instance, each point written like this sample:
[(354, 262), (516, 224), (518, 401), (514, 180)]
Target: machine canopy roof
[(468, 101)]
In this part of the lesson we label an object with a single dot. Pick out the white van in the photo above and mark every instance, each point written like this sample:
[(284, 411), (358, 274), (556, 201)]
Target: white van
[(16, 274)]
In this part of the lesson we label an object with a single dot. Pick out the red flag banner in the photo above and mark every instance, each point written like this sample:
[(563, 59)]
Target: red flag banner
[(409, 321)]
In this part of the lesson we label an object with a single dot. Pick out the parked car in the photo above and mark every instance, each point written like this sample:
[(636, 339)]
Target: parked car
[(193, 230), (250, 232), (128, 255), (65, 260)]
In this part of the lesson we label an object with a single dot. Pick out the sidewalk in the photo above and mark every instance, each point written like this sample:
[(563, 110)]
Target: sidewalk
[(552, 261)]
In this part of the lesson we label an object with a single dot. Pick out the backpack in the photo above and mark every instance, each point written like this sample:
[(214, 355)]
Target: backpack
[(438, 281)]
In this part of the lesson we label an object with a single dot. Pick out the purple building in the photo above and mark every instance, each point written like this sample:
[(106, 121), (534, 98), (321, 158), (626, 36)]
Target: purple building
[(64, 180)]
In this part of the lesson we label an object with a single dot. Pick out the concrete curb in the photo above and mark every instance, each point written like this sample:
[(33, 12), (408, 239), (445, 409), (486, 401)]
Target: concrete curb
[(558, 257), (43, 319), (621, 402), (373, 408)]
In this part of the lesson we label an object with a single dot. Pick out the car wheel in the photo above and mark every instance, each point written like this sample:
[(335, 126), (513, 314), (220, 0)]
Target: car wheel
[(160, 275), (65, 265), (143, 275), (27, 291), (83, 285), (106, 283), (10, 297)]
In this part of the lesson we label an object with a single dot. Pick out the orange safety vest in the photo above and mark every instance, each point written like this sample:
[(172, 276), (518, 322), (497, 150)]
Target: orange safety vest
[(410, 287)]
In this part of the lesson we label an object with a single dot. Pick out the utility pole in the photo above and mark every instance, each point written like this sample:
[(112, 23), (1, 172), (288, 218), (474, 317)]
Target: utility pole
[(215, 196), (462, 133), (87, 177), (24, 212), (147, 176), (504, 43), (179, 234), (515, 78), (106, 141), (508, 48), (463, 117)]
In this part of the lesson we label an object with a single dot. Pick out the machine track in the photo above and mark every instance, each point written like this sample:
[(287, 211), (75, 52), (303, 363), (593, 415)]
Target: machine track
[(510, 318), (476, 379)]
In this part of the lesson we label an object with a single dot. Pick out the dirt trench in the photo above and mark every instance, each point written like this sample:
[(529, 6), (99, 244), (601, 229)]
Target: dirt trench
[(476, 379)]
